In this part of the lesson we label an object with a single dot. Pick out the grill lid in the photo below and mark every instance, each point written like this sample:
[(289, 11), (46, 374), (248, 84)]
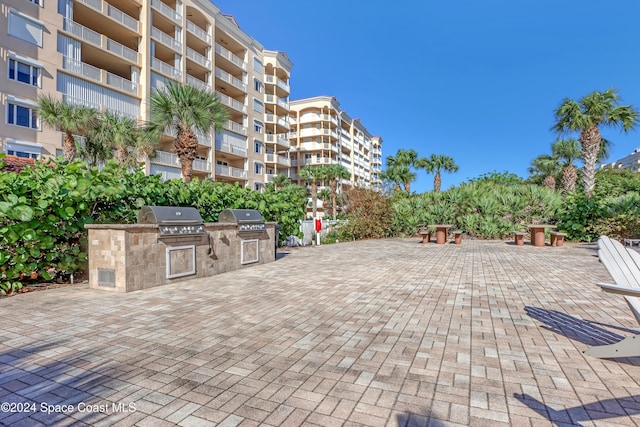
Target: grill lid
[(173, 221), (247, 219)]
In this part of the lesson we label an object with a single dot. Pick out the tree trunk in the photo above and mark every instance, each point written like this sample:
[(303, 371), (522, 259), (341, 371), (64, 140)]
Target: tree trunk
[(333, 186), (549, 182), (314, 198), (437, 182), (186, 145), (121, 155), (569, 178), (407, 187), (69, 147), (590, 141)]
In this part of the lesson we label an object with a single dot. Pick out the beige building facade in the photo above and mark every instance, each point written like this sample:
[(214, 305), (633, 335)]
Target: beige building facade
[(324, 134), (631, 162), (112, 54)]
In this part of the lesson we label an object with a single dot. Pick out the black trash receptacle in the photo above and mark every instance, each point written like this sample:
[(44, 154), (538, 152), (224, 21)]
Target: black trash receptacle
[(278, 227)]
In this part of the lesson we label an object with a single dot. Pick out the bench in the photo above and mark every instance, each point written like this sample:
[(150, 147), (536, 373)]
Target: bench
[(631, 242), (518, 237), (557, 239), (457, 237), (624, 267), (426, 235)]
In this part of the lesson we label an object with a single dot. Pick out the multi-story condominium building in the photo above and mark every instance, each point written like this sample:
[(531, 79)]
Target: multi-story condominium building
[(323, 134), (631, 162), (111, 55)]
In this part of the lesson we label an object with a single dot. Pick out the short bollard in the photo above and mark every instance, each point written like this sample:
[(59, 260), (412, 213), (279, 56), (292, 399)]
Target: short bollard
[(518, 237)]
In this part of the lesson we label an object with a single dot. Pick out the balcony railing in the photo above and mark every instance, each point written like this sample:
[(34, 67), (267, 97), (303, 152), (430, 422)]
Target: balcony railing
[(123, 84), (281, 139), (165, 68), (227, 54), (272, 99), (100, 40), (277, 81), (233, 103), (113, 12), (198, 58), (166, 39), (99, 75), (198, 32), (276, 158), (235, 127), (234, 81), (172, 159), (197, 83), (282, 121), (231, 172), (166, 11), (68, 99), (231, 149)]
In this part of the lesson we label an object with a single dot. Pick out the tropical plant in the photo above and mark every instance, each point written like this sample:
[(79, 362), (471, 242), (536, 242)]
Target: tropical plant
[(547, 167), (398, 176), (333, 173), (401, 165), (567, 151), (587, 116), (70, 119), (435, 164), (312, 174), (182, 110), (280, 181)]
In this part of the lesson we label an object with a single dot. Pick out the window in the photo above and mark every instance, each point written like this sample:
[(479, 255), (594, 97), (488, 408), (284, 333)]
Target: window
[(23, 72), (21, 115), (257, 65), (38, 2), (258, 147), (258, 168), (23, 149), (258, 106), (257, 126), (257, 85), (24, 27), (258, 186)]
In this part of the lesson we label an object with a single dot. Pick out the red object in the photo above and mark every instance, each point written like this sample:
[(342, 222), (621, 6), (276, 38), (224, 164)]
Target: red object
[(318, 224)]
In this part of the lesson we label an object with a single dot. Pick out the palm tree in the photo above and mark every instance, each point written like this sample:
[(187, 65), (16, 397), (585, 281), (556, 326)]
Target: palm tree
[(280, 181), (325, 196), (312, 174), (436, 163), (546, 166), (121, 135), (567, 151), (183, 110), (334, 173), (398, 176), (587, 116), (70, 119), (403, 161)]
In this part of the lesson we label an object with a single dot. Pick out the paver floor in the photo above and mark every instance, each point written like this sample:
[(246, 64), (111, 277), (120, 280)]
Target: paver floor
[(377, 333)]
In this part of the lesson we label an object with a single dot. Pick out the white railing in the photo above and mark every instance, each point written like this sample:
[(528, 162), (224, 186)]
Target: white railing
[(165, 68), (231, 149), (166, 39), (203, 138), (281, 138), (172, 159), (195, 82), (272, 99), (121, 17), (223, 75), (83, 32), (198, 58), (233, 103), (231, 172), (282, 121), (121, 83), (227, 54), (79, 67), (198, 32), (235, 127), (68, 99), (166, 11), (277, 81)]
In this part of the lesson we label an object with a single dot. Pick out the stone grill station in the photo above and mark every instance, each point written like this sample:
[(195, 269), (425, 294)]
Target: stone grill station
[(173, 244)]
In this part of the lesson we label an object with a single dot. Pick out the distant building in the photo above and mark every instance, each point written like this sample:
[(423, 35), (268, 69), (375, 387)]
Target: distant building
[(631, 162)]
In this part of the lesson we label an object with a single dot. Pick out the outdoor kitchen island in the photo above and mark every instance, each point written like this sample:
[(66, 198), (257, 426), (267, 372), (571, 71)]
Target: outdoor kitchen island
[(172, 245)]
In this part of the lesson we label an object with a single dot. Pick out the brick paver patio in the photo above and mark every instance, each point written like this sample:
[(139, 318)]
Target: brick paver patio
[(366, 333)]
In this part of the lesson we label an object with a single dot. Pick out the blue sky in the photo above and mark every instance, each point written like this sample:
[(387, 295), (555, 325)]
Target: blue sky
[(475, 80)]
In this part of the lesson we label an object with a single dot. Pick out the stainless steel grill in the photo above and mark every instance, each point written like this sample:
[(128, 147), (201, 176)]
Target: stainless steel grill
[(248, 220), (173, 221)]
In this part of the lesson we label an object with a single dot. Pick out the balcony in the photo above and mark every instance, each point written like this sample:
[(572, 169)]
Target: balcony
[(230, 56), (280, 139), (235, 127), (166, 69), (228, 78), (166, 11), (279, 120), (99, 75), (192, 81), (114, 13), (198, 32), (276, 158), (100, 41), (281, 84), (172, 159), (231, 172), (198, 58), (233, 103), (166, 39), (232, 149)]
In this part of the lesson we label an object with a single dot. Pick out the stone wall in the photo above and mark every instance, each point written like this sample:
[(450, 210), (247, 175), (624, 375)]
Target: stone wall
[(132, 257)]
